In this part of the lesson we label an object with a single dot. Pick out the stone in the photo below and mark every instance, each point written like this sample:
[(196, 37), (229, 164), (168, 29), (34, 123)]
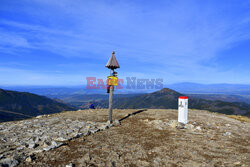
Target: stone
[(9, 162), (32, 145), (21, 143), (109, 125), (46, 139), (94, 130), (39, 116), (76, 135), (108, 122), (4, 139), (189, 126), (180, 125), (29, 159), (227, 134), (173, 123), (68, 121), (37, 151), (61, 139), (42, 134), (159, 127), (20, 148), (198, 128), (70, 165), (47, 148), (86, 133), (103, 127), (143, 163), (36, 139), (237, 163), (117, 122), (157, 161), (13, 139), (54, 144), (45, 144)]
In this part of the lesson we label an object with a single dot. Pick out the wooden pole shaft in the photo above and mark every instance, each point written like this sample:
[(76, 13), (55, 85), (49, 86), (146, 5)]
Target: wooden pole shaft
[(110, 103)]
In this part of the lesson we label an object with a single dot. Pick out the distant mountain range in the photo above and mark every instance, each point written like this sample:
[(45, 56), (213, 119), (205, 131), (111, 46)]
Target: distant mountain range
[(231, 89), (185, 87), (168, 99), (20, 105)]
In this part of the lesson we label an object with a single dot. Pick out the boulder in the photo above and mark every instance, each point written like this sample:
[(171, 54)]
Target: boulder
[(8, 162), (29, 159), (173, 123)]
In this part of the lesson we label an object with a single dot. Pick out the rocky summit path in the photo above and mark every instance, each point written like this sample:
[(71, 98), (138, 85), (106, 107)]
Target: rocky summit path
[(150, 137)]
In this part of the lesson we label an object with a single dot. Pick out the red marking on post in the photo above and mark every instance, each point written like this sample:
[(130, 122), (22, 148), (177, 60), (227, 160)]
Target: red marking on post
[(183, 97)]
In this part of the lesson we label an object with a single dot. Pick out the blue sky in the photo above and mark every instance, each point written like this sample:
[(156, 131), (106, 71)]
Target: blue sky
[(61, 42)]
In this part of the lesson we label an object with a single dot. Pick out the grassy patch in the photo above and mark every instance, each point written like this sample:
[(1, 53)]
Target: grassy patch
[(240, 118)]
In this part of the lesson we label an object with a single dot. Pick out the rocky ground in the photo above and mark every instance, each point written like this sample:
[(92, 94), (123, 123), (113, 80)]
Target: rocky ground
[(144, 138)]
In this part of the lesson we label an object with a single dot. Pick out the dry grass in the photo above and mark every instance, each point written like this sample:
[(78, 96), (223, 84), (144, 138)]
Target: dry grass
[(136, 142), (240, 118)]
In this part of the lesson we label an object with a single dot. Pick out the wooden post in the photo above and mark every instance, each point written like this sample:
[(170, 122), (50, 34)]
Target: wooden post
[(110, 103), (112, 64)]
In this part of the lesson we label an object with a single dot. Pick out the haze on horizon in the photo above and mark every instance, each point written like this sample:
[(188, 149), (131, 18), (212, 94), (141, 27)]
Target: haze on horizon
[(45, 42)]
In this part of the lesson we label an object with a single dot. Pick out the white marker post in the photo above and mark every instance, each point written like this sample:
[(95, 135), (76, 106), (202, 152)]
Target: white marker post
[(183, 109)]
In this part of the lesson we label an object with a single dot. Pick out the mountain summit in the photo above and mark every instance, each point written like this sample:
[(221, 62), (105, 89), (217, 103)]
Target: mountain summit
[(164, 98), (168, 99), (150, 137), (167, 91)]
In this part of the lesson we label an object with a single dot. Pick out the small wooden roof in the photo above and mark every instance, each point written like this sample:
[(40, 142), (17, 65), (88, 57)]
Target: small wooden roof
[(112, 63)]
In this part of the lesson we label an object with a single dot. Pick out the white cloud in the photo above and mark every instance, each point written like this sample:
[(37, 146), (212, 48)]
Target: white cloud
[(13, 40), (14, 76), (172, 36)]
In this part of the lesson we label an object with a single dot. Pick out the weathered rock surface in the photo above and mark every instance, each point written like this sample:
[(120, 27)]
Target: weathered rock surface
[(20, 139), (149, 138)]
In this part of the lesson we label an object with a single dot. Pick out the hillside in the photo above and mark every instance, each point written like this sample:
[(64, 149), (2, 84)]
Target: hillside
[(222, 97), (168, 99), (147, 138), (20, 105), (82, 100)]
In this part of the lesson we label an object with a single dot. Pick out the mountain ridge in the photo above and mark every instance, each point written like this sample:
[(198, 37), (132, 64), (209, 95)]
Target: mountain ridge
[(183, 87), (168, 99), (21, 105)]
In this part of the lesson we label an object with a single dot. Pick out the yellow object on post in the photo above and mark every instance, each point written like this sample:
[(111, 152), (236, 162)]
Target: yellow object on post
[(112, 81)]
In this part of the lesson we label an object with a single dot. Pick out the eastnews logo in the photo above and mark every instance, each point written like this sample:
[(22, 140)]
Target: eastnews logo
[(131, 83)]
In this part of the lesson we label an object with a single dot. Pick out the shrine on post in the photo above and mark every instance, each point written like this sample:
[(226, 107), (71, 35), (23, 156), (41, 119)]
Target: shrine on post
[(111, 81)]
